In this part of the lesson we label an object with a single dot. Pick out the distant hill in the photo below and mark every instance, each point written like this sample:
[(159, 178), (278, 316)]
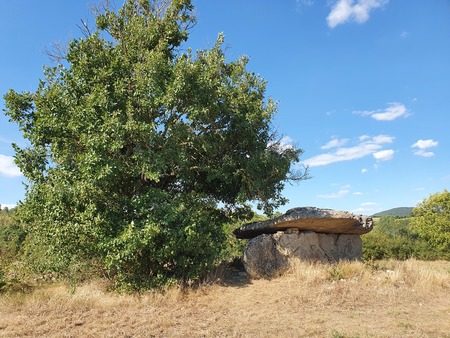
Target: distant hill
[(401, 212)]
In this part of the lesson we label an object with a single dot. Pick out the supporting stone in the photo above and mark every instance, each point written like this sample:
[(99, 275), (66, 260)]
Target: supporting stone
[(268, 255), (263, 259)]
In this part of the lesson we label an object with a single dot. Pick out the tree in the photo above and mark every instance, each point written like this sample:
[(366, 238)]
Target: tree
[(141, 153), (431, 221)]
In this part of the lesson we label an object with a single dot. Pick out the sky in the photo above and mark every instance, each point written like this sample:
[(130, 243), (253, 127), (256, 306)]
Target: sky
[(363, 88)]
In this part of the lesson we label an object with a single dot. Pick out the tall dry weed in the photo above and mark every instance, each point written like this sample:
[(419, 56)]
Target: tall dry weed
[(419, 275), (356, 282)]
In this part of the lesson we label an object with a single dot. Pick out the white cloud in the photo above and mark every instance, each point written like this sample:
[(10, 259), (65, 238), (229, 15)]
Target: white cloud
[(365, 204), (380, 139), (424, 153), (364, 170), (357, 193), (8, 167), (367, 146), (348, 10), (363, 137), (335, 143), (384, 155), (362, 211), (284, 143), (392, 112), (7, 205), (422, 145), (344, 191), (395, 110)]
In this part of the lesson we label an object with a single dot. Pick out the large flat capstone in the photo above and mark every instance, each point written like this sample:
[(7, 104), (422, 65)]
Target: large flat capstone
[(326, 221)]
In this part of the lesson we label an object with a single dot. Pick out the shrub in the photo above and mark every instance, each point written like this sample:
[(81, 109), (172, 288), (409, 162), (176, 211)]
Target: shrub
[(393, 238), (431, 221), (12, 237)]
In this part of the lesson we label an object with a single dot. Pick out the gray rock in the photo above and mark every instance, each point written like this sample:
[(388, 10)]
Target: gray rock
[(310, 219), (268, 255), (262, 258)]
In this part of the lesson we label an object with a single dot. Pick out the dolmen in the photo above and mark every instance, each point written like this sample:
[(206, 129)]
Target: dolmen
[(305, 233)]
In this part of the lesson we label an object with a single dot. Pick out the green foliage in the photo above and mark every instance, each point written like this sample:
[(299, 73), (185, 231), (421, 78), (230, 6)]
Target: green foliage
[(400, 212), (392, 238), (234, 248), (11, 237), (431, 221), (141, 155), (337, 334), (160, 251)]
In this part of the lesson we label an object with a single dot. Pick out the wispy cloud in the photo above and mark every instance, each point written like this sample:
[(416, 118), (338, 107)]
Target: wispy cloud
[(307, 3), (350, 10), (380, 139), (422, 145), (5, 140), (342, 192), (8, 167), (392, 112), (367, 145), (335, 143), (362, 211), (365, 208)]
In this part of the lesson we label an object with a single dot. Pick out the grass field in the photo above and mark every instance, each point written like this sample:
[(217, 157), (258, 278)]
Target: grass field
[(385, 299)]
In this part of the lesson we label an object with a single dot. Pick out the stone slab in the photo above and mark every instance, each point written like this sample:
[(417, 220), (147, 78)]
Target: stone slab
[(309, 219)]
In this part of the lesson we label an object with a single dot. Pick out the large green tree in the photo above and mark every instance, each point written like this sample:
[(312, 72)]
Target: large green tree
[(140, 152), (431, 221)]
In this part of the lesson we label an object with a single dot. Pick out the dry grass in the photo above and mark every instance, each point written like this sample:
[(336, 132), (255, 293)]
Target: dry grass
[(391, 299)]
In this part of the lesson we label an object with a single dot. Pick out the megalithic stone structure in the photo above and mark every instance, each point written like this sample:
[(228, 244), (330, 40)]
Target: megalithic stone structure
[(309, 219), (306, 233)]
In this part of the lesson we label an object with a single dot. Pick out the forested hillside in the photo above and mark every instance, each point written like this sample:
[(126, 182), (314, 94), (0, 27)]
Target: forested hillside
[(400, 212)]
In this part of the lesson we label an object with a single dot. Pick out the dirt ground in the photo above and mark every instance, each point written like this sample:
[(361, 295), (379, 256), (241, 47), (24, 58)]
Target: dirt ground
[(399, 299)]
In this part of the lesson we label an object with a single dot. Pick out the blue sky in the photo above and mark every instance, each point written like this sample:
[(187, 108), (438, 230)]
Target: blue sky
[(363, 87)]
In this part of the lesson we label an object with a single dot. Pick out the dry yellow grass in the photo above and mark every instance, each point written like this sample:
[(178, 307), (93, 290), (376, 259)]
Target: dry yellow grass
[(393, 299)]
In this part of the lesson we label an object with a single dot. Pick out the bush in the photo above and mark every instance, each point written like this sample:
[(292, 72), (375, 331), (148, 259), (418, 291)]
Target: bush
[(392, 238), (431, 221), (12, 237), (161, 251)]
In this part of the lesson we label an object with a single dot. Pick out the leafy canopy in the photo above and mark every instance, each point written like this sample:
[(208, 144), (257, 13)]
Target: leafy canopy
[(431, 220), (140, 153)]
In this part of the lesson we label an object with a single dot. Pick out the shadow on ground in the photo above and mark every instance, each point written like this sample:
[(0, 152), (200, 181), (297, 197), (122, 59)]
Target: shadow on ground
[(231, 274)]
